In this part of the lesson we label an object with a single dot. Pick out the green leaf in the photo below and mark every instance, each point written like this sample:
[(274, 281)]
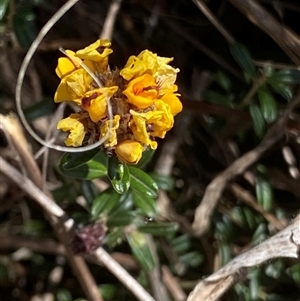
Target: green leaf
[(118, 174), (224, 252), (85, 165), (114, 236), (281, 88), (108, 291), (74, 160), (192, 259), (39, 109), (24, 23), (243, 58), (104, 203), (146, 204), (141, 250), (259, 124), (259, 235), (264, 193), (181, 244), (142, 183), (288, 76), (121, 218), (294, 272), (89, 191), (274, 270), (3, 8), (159, 229), (125, 202), (249, 218), (223, 81), (267, 104), (147, 156), (162, 181)]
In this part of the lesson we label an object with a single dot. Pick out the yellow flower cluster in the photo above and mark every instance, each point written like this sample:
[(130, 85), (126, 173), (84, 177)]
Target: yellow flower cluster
[(142, 97)]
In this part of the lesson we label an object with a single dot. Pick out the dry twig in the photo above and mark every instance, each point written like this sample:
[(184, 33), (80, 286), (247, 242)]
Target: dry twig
[(283, 36), (108, 27), (285, 243)]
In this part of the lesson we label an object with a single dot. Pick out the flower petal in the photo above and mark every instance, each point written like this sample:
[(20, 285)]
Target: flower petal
[(76, 128), (67, 65), (111, 129), (129, 151), (95, 102), (73, 86), (96, 52), (139, 130), (141, 91), (173, 101)]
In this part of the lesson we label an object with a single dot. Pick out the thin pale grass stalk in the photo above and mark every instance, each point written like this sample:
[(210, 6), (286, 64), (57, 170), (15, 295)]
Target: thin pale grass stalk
[(214, 21), (52, 21), (110, 20)]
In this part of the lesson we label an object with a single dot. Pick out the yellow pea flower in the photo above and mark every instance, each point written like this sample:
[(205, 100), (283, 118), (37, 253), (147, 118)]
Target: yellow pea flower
[(96, 52), (173, 101), (141, 91), (112, 130), (160, 120), (142, 96), (73, 86), (95, 102), (139, 129), (67, 65), (134, 67), (75, 127), (148, 62), (129, 151)]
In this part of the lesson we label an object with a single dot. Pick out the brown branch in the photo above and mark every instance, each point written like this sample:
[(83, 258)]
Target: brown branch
[(283, 36), (285, 243), (216, 187), (52, 247)]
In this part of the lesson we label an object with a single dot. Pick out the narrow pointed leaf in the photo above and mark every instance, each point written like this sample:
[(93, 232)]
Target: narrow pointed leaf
[(267, 104), (264, 193), (143, 183), (243, 58), (73, 160), (104, 203), (159, 229), (289, 76), (146, 204), (281, 88), (87, 165), (24, 23), (141, 250), (259, 124), (3, 8), (118, 174), (120, 218)]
